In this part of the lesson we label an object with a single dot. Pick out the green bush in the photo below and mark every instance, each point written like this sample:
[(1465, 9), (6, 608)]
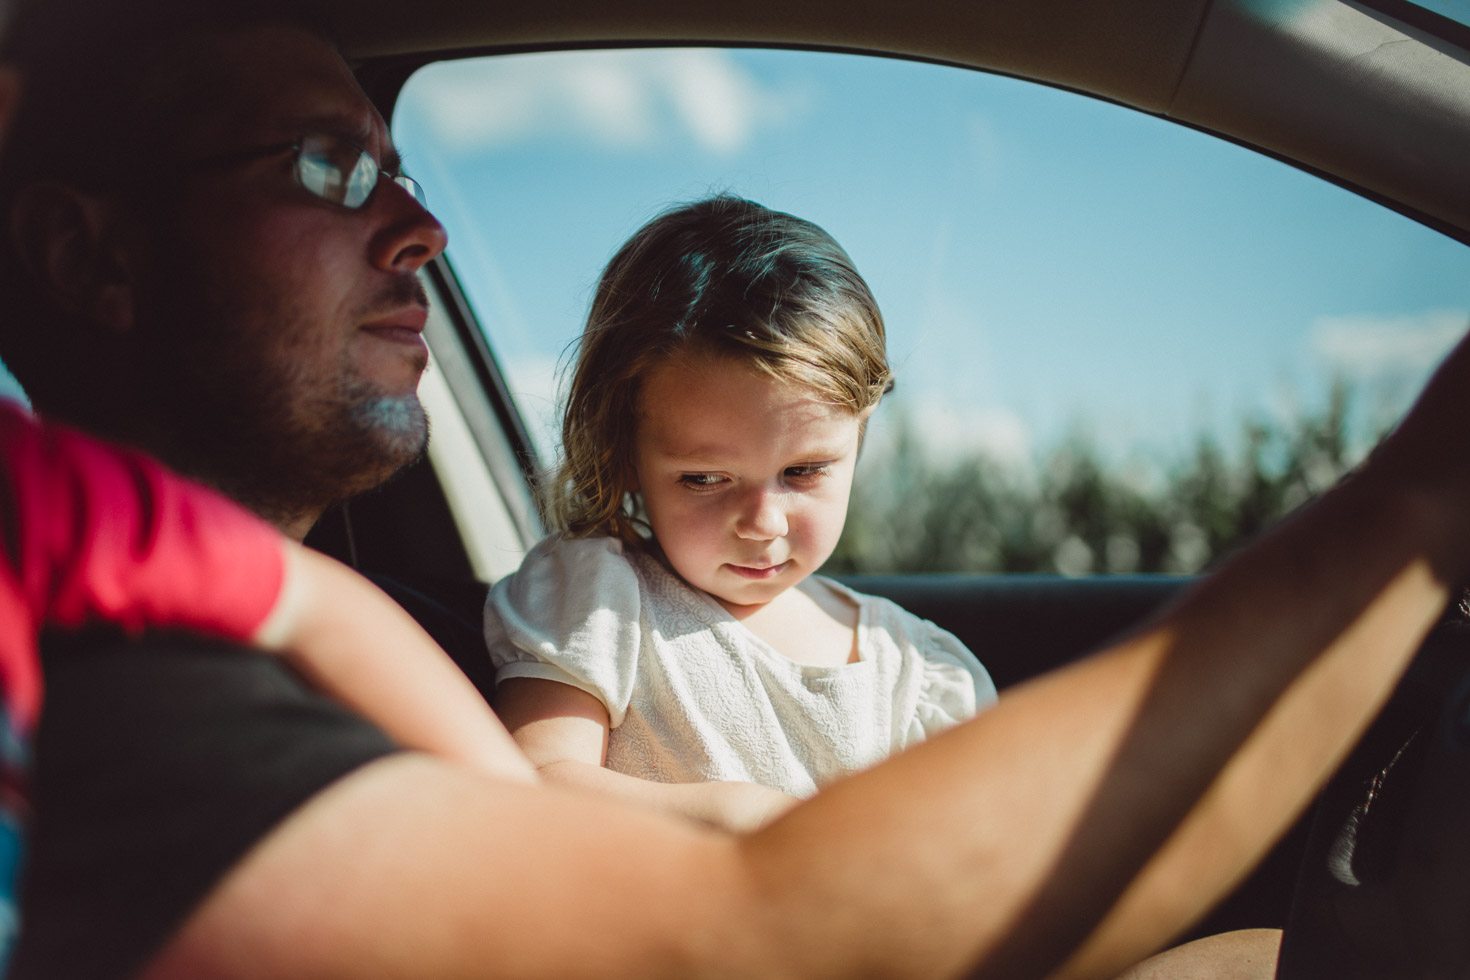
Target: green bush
[(1073, 514)]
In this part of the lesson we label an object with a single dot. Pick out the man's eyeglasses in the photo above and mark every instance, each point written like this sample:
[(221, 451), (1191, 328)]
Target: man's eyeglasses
[(332, 168)]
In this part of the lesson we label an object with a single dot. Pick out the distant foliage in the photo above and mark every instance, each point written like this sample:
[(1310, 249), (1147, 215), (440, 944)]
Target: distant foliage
[(1074, 515)]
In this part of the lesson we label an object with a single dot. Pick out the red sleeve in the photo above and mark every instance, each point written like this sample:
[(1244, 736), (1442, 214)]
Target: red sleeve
[(100, 533), (20, 671)]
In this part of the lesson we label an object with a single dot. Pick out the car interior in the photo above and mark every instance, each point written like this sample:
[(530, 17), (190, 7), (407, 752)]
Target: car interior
[(1372, 95)]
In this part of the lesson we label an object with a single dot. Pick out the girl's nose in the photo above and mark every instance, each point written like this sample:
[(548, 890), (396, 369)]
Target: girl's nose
[(762, 516)]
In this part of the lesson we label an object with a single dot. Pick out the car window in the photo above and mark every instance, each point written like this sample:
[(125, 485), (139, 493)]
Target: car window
[(1121, 344), (9, 387), (1456, 10)]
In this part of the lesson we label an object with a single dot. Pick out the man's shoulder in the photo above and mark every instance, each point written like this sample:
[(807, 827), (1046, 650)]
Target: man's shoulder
[(161, 760)]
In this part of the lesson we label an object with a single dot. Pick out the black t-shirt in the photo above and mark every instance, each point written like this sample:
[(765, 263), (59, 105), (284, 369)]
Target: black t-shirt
[(159, 763)]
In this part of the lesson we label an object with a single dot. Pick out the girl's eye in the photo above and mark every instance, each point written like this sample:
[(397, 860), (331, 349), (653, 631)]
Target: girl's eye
[(809, 473), (700, 481)]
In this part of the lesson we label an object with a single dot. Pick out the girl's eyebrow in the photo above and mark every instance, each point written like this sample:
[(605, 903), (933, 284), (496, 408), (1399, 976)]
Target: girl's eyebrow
[(714, 454), (697, 454)]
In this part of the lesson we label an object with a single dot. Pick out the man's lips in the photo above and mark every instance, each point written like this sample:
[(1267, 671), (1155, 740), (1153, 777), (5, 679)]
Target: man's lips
[(404, 326)]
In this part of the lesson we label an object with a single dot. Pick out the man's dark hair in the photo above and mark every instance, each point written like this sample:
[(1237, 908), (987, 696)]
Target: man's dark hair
[(101, 103)]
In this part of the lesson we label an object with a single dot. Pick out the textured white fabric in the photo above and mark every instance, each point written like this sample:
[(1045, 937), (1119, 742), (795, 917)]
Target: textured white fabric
[(693, 695)]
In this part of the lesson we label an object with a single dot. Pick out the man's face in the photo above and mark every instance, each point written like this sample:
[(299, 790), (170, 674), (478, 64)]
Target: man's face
[(282, 331)]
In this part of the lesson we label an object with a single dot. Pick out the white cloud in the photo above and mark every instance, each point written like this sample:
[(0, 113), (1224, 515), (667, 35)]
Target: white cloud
[(534, 384), (955, 431), (1364, 346), (719, 102), (613, 99)]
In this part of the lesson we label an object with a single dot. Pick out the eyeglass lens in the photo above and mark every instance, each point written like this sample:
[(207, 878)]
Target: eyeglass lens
[(344, 174)]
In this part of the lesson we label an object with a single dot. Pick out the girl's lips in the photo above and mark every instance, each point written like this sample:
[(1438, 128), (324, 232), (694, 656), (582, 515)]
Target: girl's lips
[(759, 574)]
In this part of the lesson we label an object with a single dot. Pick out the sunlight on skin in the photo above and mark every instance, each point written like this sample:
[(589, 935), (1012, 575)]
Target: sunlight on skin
[(1249, 954)]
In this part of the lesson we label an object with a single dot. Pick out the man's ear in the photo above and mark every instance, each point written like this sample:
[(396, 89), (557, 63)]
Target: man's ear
[(9, 92), (70, 241)]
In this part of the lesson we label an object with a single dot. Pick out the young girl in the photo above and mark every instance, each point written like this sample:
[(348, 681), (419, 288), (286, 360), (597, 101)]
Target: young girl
[(673, 631)]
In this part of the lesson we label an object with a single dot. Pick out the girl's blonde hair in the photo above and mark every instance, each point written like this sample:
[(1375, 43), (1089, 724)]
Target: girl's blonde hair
[(723, 277)]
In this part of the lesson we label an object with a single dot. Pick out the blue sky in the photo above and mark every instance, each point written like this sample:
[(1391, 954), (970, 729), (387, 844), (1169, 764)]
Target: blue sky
[(1458, 9), (1046, 262)]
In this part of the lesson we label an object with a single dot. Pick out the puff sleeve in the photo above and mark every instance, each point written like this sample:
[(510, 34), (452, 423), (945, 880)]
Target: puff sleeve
[(571, 614), (953, 686)]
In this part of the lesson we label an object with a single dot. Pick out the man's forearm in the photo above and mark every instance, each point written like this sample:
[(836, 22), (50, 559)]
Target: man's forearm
[(1071, 829), (1009, 840), (725, 804), (997, 847)]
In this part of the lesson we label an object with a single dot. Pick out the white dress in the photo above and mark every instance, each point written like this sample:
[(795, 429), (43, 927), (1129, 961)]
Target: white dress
[(692, 695)]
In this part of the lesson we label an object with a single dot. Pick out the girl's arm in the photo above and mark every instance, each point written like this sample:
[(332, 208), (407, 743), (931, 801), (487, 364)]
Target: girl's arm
[(358, 646), (563, 730)]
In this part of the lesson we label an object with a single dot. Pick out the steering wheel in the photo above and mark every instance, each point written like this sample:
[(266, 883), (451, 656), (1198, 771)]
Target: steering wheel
[(1384, 888)]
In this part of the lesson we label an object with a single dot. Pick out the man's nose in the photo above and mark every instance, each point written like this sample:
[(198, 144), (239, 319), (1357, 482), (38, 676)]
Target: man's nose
[(762, 515), (410, 235)]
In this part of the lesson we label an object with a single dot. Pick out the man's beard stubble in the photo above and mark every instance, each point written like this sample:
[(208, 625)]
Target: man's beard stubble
[(248, 417)]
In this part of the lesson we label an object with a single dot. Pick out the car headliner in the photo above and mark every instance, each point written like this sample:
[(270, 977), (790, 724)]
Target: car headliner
[(1373, 102)]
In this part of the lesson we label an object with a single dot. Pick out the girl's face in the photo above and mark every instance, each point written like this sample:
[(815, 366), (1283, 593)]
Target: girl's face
[(744, 478)]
